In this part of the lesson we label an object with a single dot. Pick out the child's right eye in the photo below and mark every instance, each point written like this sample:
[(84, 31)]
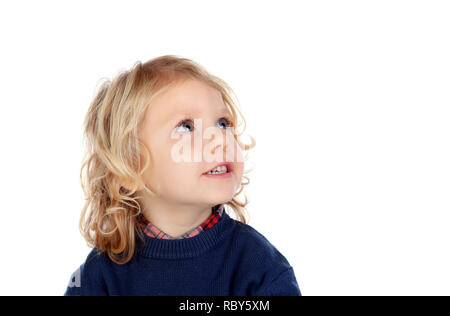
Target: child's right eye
[(184, 123)]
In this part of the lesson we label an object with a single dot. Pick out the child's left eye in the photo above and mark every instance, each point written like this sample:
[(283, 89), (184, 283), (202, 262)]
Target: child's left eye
[(188, 122), (228, 123)]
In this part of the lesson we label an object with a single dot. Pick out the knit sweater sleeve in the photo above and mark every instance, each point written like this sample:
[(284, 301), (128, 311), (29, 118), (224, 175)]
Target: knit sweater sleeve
[(285, 284), (267, 271), (87, 280)]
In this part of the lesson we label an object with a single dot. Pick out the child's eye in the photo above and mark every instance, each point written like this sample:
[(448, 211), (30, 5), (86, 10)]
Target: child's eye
[(184, 123), (228, 123), (189, 123)]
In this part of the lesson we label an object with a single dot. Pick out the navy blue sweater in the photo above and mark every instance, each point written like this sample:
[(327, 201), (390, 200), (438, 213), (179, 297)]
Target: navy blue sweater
[(231, 258)]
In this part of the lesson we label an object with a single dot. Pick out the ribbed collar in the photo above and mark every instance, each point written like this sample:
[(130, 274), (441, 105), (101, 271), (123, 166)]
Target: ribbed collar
[(188, 247), (155, 232)]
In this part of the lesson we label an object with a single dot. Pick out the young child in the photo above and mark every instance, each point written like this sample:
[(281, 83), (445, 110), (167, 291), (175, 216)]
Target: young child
[(156, 214)]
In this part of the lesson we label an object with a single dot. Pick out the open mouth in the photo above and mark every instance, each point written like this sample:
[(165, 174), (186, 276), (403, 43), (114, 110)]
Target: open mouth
[(225, 168)]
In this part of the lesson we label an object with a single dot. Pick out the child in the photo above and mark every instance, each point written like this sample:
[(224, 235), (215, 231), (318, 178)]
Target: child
[(158, 219)]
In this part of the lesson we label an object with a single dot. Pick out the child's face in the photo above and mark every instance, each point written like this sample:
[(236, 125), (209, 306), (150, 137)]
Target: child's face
[(212, 143)]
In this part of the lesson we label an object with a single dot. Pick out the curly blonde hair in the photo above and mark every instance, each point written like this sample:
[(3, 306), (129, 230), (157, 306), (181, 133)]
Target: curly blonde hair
[(114, 154)]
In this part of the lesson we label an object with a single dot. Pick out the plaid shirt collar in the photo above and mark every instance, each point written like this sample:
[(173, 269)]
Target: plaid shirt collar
[(154, 232)]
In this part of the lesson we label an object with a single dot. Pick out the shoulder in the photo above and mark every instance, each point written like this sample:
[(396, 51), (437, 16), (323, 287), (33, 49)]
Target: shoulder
[(88, 279), (94, 262), (260, 246), (265, 269), (256, 251)]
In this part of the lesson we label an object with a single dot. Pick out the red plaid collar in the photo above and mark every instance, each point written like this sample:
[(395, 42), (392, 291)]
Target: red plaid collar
[(154, 232)]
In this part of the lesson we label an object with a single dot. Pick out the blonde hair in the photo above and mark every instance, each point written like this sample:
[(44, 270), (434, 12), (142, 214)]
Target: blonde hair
[(113, 151)]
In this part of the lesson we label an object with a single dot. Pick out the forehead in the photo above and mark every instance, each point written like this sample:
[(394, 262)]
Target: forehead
[(189, 97)]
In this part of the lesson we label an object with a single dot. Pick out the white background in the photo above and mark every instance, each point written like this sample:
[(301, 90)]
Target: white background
[(348, 102)]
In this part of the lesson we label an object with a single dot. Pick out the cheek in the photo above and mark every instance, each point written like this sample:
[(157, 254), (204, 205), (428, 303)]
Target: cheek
[(179, 149), (238, 160), (239, 170), (163, 170), (175, 180), (177, 172), (174, 170)]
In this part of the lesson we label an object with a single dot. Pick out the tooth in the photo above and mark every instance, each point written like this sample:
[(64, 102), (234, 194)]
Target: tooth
[(220, 169)]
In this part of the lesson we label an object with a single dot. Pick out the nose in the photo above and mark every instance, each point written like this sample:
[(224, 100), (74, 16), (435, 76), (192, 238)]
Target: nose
[(218, 145)]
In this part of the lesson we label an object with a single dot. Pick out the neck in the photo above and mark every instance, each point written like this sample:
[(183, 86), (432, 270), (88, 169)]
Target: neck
[(174, 218)]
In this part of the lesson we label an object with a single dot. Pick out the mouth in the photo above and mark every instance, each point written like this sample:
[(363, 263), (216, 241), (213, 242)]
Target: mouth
[(222, 169)]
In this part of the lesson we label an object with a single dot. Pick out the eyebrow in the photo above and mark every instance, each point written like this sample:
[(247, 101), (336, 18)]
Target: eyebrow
[(191, 112)]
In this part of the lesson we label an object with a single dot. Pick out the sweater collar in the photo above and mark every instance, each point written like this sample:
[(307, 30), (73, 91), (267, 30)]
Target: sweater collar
[(153, 231), (187, 247)]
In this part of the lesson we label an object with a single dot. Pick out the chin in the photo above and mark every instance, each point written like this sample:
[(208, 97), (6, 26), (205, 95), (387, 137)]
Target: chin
[(215, 199)]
